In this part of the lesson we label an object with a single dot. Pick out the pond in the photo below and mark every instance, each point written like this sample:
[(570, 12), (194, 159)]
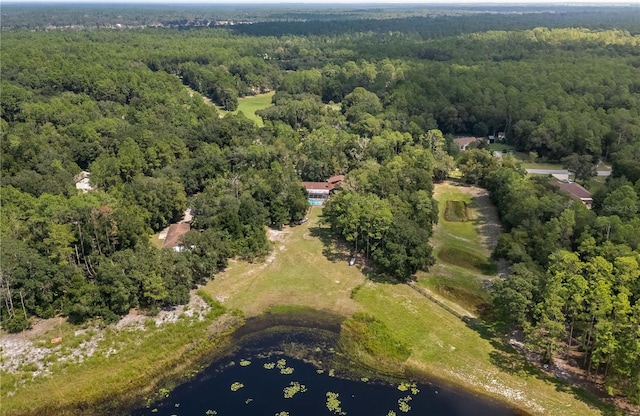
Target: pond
[(286, 372)]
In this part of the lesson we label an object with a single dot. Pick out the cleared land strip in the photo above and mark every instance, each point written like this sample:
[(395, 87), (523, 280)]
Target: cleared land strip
[(561, 172)]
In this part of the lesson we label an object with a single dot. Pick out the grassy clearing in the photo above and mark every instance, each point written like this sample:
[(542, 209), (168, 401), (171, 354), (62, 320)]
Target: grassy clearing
[(447, 348), (461, 235), (524, 158), (249, 105), (300, 271), (499, 147), (463, 257), (541, 165), (456, 211), (307, 272), (466, 260), (155, 240)]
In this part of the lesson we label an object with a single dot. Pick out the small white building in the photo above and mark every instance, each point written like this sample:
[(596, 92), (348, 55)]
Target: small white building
[(82, 182)]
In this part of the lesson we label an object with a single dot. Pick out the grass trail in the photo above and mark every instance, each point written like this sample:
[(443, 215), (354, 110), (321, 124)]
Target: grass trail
[(462, 249)]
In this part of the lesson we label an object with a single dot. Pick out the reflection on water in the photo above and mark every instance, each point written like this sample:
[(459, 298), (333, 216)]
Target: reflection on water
[(255, 383)]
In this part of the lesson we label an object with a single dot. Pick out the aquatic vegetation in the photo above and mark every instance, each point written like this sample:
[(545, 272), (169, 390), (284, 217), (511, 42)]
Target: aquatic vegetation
[(333, 403), (282, 365), (245, 363), (211, 412), (403, 404), (293, 388), (364, 379), (319, 371), (405, 386), (391, 413), (286, 370), (236, 386), (332, 373), (282, 414), (269, 366)]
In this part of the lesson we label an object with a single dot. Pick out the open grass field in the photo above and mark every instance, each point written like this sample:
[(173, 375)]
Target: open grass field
[(446, 348), (302, 270), (526, 162), (307, 269), (249, 105)]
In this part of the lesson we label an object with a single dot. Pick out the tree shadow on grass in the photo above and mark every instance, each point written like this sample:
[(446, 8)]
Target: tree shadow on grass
[(336, 250), (512, 361), (332, 247)]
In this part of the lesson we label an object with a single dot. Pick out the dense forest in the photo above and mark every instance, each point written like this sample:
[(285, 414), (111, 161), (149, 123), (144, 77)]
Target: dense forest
[(379, 106)]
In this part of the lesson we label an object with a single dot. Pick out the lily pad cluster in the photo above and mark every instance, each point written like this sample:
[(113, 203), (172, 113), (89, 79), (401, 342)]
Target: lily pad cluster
[(293, 388)]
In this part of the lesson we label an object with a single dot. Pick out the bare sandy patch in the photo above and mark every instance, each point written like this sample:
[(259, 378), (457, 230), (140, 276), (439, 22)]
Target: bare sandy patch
[(32, 349)]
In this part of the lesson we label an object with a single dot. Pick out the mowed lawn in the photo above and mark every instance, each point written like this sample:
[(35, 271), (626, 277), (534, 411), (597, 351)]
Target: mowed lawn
[(298, 272), (451, 351), (249, 105), (306, 269), (462, 249)]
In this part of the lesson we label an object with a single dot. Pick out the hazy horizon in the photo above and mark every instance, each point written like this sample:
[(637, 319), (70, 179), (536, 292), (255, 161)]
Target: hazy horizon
[(334, 2)]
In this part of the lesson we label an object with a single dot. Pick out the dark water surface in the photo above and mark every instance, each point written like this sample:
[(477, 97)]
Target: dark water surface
[(262, 394)]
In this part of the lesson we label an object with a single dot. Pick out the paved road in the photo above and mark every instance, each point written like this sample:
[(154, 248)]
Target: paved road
[(561, 172)]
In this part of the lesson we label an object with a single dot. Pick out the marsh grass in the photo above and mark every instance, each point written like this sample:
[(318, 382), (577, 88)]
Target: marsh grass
[(367, 339)]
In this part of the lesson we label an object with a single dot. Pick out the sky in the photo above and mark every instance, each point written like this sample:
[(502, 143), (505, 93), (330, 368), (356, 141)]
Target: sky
[(396, 2)]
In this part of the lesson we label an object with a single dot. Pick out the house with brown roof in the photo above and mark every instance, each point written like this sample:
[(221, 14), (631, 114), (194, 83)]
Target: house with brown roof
[(174, 233), (576, 191), (464, 142), (318, 192)]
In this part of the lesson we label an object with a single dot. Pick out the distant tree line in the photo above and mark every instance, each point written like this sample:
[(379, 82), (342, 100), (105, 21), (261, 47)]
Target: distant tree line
[(369, 105)]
